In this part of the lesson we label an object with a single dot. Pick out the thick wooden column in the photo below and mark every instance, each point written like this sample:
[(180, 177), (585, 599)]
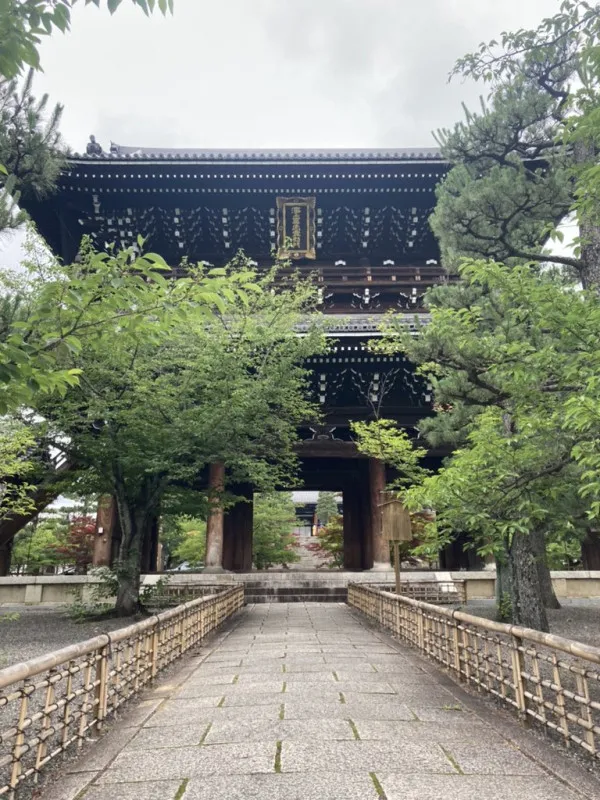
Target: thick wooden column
[(237, 532), (590, 550), (214, 523), (149, 561), (380, 547), (107, 519), (356, 525), (5, 554)]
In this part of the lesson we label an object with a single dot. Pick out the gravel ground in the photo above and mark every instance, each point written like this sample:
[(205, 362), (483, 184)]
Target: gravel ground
[(577, 619), (38, 629)]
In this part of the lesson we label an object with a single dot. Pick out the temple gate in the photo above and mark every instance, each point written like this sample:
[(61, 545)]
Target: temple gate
[(356, 220)]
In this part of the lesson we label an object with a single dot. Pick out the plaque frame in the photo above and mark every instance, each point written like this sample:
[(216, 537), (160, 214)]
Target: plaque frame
[(284, 238)]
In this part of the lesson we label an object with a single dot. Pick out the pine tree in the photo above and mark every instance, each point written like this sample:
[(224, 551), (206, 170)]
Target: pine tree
[(30, 148)]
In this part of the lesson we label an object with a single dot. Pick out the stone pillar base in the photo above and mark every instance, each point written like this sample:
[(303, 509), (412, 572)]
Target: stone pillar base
[(381, 566)]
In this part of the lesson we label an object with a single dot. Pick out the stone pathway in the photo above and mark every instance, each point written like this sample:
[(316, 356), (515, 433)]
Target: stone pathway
[(309, 701)]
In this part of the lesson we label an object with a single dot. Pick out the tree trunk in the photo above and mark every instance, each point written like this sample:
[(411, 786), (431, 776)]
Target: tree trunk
[(129, 563), (136, 523), (5, 556), (503, 588), (590, 550), (527, 603), (538, 543)]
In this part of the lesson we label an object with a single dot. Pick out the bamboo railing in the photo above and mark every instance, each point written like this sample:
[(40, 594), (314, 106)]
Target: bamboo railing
[(58, 700), (547, 679), (436, 592)]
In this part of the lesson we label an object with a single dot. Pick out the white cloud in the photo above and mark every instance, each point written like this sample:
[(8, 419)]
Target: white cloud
[(252, 73)]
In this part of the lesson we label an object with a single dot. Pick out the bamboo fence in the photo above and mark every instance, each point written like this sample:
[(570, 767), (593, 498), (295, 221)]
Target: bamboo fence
[(60, 699), (546, 679), (437, 592)]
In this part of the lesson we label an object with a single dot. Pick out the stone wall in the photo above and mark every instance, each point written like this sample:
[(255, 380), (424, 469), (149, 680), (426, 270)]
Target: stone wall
[(49, 589)]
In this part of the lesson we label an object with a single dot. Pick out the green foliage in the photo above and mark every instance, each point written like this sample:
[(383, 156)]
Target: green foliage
[(563, 552), (153, 595), (328, 545), (327, 506), (212, 372), (50, 317), (35, 547), (16, 444), (102, 594), (514, 160), (192, 546), (504, 610), (274, 521), (25, 23), (30, 146), (505, 367), (384, 440)]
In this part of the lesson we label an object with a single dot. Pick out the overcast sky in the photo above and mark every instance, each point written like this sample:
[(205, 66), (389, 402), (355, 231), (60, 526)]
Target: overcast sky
[(270, 73)]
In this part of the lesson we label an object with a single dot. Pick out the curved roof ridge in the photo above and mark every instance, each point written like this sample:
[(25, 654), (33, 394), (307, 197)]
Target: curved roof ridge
[(127, 152)]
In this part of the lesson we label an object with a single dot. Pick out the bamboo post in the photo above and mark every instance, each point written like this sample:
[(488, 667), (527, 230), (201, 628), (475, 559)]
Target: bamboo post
[(456, 641), (101, 693), (397, 565), (518, 664), (19, 742), (42, 747)]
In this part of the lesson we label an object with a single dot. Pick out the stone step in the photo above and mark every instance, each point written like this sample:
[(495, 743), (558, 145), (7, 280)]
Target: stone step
[(300, 593)]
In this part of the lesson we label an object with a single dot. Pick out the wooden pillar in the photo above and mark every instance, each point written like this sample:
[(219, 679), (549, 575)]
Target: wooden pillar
[(149, 561), (590, 550), (5, 555), (237, 532), (380, 547), (354, 518), (214, 523), (106, 522)]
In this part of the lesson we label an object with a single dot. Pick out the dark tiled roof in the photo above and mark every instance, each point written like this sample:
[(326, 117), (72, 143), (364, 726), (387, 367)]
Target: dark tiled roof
[(121, 152)]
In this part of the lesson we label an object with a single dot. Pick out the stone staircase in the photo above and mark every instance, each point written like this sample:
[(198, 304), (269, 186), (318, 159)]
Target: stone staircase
[(308, 560), (302, 590)]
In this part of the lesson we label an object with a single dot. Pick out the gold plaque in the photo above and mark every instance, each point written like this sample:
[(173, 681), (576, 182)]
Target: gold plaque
[(296, 234)]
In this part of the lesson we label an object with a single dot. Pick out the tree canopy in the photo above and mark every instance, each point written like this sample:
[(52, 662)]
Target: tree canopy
[(509, 349), (216, 378)]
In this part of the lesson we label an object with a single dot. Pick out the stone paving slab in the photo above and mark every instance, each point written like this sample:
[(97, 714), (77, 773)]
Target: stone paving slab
[(412, 756), (141, 790), (472, 787), (280, 731), (326, 786), (191, 762), (312, 702), (197, 689), (467, 728), (170, 736)]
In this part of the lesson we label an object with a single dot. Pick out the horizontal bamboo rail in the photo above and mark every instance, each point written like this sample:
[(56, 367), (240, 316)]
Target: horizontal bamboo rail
[(547, 679), (437, 592), (57, 700)]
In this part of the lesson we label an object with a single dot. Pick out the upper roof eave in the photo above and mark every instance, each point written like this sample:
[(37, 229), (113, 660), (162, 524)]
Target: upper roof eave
[(121, 153)]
